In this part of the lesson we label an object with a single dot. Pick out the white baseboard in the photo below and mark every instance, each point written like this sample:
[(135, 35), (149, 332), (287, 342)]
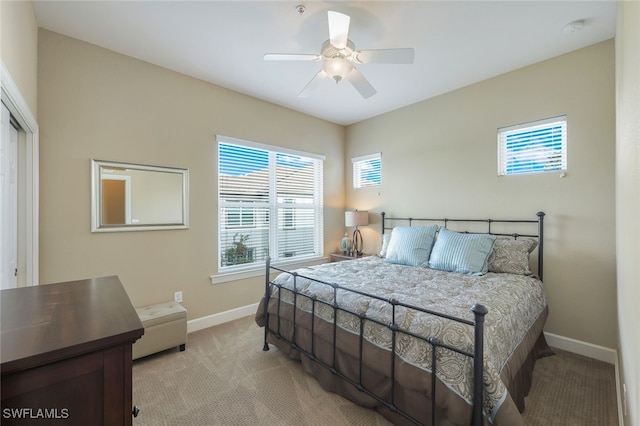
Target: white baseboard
[(590, 350), (220, 318)]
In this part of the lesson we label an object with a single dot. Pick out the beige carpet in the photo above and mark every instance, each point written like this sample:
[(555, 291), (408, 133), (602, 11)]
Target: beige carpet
[(224, 378), (572, 390)]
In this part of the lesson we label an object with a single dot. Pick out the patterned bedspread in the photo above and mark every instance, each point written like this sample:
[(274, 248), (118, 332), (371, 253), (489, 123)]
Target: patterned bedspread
[(514, 303)]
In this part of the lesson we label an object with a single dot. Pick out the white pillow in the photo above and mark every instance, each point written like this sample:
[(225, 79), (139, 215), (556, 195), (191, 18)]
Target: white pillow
[(411, 245), (385, 244)]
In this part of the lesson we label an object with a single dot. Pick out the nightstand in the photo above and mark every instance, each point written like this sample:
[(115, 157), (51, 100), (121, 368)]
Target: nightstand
[(339, 257)]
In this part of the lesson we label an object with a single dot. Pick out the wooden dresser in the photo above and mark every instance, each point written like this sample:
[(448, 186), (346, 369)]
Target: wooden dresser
[(66, 353)]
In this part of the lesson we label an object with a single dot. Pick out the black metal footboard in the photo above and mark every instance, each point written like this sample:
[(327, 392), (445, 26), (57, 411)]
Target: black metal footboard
[(275, 290)]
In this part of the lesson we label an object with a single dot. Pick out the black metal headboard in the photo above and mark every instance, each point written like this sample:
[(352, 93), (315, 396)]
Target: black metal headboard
[(539, 235)]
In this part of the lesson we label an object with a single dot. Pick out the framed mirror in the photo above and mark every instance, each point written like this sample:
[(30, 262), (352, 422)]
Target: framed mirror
[(138, 197)]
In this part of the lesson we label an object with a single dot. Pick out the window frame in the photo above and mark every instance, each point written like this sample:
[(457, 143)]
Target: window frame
[(364, 162), (537, 142), (272, 208)]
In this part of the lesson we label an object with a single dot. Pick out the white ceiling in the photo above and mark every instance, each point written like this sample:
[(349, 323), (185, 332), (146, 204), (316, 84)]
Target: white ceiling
[(456, 43)]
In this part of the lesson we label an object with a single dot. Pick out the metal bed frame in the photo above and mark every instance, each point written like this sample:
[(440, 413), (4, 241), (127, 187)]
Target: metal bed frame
[(479, 312)]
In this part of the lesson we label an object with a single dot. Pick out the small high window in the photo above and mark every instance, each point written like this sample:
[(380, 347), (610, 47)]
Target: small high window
[(367, 171), (539, 146)]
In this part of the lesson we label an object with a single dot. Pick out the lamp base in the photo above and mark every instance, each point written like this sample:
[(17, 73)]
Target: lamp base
[(357, 242)]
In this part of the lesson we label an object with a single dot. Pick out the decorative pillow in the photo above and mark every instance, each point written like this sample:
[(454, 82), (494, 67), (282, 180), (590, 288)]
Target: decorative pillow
[(511, 256), (411, 245), (385, 244), (463, 253)]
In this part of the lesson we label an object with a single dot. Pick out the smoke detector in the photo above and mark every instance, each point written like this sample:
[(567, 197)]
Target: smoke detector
[(574, 27)]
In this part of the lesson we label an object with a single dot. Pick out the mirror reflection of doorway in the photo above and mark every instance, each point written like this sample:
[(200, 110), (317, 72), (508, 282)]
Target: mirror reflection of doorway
[(116, 196)]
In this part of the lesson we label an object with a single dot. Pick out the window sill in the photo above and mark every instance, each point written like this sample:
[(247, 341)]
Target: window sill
[(259, 270)]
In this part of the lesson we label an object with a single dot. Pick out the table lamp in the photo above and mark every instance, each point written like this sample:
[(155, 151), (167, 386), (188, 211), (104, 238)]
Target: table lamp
[(356, 218)]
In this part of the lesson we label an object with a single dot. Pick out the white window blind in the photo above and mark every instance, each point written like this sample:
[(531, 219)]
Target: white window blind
[(270, 204), (538, 146), (367, 170)]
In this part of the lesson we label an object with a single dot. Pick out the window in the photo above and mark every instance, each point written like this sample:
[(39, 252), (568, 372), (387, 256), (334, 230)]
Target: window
[(270, 204), (288, 216), (539, 146), (367, 171), (240, 217)]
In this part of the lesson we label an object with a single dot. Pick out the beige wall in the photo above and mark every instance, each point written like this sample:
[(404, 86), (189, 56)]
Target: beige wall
[(95, 103), (628, 200), (19, 47), (439, 160)]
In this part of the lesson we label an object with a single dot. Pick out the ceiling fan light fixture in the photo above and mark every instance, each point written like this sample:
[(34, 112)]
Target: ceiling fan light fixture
[(338, 67)]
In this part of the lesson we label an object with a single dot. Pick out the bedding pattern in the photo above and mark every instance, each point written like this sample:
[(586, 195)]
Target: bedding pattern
[(515, 302)]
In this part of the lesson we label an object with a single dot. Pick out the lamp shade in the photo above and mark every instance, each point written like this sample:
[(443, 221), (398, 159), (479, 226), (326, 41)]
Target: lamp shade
[(356, 218)]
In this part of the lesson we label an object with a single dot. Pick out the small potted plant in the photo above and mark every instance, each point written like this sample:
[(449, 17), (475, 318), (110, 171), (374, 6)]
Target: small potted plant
[(238, 252)]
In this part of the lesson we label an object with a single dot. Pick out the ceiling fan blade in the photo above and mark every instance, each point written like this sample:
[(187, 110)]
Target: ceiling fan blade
[(386, 56), (361, 84), (338, 29), (313, 84), (291, 57)]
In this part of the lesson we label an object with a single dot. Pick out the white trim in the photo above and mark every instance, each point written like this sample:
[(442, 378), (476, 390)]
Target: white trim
[(17, 105), (590, 350), (236, 276), (220, 318), (266, 147), (534, 123), (260, 270), (127, 198), (376, 156)]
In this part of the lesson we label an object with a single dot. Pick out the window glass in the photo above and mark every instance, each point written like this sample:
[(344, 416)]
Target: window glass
[(540, 146), (270, 202), (367, 171)]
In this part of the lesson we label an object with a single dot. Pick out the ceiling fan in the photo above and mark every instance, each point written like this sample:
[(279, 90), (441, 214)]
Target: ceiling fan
[(339, 54)]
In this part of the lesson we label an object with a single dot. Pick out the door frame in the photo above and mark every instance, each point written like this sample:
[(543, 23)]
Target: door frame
[(18, 107), (127, 197)]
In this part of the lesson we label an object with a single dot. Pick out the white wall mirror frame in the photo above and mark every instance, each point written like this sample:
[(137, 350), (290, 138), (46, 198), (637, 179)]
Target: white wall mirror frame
[(138, 197)]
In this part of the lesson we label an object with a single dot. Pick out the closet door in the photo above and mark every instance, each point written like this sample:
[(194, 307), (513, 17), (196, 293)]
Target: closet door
[(8, 201)]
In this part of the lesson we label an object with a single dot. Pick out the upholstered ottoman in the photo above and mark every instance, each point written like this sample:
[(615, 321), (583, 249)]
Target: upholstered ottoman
[(165, 326)]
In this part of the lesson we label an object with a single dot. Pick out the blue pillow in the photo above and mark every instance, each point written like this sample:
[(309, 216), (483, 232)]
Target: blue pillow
[(463, 253), (411, 245)]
